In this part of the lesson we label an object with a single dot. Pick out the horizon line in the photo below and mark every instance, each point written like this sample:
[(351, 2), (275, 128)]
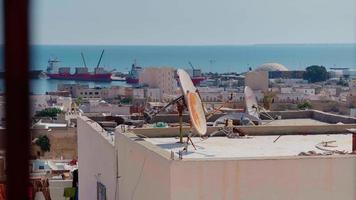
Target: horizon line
[(252, 44)]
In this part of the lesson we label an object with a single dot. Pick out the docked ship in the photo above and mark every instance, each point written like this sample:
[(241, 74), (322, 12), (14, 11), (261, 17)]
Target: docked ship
[(134, 74), (81, 73), (195, 75)]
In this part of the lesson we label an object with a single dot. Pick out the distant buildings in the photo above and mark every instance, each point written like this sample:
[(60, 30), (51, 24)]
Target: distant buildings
[(103, 107), (162, 78)]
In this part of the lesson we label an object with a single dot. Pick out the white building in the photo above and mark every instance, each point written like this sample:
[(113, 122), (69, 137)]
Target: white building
[(100, 106), (153, 94), (131, 167), (286, 90), (138, 93), (162, 78), (290, 97), (306, 91), (40, 102)]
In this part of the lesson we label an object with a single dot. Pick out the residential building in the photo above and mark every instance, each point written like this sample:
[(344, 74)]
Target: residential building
[(257, 80), (101, 106), (162, 78), (153, 94), (150, 164)]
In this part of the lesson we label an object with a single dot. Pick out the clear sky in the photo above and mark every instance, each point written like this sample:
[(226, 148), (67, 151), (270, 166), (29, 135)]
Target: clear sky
[(193, 22)]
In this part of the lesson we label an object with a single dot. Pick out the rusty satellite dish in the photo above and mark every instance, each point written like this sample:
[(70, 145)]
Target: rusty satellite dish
[(193, 102)]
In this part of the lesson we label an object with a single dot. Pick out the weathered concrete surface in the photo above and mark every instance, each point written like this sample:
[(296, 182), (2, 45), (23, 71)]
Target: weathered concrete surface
[(275, 179), (143, 173), (96, 160), (253, 147)]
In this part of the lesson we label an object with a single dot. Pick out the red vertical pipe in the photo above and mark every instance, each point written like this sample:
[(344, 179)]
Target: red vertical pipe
[(354, 142)]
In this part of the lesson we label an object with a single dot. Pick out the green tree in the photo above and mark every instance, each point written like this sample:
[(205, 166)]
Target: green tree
[(43, 143), (268, 99), (79, 101), (127, 100), (49, 112), (315, 73), (304, 105)]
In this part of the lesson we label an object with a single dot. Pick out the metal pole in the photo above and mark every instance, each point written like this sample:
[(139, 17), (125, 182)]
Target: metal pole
[(180, 108)]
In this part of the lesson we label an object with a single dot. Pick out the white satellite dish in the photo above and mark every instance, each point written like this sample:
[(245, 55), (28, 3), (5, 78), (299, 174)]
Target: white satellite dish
[(251, 103), (193, 102), (185, 82)]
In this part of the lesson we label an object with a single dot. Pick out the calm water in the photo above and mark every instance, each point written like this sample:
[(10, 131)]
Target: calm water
[(208, 58)]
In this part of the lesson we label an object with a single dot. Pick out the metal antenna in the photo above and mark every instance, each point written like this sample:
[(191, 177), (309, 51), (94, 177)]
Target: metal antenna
[(85, 64)]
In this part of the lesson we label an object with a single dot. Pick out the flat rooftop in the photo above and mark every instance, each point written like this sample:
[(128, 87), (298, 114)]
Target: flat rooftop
[(256, 146)]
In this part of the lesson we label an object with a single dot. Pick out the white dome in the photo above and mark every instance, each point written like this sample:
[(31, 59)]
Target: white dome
[(271, 67)]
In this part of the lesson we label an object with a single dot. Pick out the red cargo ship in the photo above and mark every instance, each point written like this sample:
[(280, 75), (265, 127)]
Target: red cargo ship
[(134, 74), (81, 73)]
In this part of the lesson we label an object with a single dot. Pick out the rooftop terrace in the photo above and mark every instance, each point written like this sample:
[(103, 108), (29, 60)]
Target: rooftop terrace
[(298, 133), (257, 146)]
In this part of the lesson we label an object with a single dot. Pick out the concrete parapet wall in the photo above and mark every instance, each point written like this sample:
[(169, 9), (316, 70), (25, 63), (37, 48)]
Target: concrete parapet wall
[(333, 118), (252, 130), (296, 178), (290, 114), (173, 118)]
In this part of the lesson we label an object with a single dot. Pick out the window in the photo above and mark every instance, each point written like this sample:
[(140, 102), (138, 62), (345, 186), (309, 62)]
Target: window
[(101, 191)]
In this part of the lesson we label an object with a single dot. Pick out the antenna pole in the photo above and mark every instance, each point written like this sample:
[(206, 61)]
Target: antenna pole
[(101, 56), (180, 107), (85, 64)]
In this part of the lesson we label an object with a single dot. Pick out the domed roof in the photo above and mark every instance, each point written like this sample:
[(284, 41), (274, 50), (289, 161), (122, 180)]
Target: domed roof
[(271, 67)]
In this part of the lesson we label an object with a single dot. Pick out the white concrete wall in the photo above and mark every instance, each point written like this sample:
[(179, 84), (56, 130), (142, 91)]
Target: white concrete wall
[(56, 188), (143, 174), (96, 160), (280, 179)]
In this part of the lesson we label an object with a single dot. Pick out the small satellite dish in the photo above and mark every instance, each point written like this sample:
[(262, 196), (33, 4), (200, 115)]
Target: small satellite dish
[(251, 103), (193, 102)]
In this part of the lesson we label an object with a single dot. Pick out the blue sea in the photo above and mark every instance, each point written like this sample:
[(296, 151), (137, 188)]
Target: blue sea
[(208, 58)]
